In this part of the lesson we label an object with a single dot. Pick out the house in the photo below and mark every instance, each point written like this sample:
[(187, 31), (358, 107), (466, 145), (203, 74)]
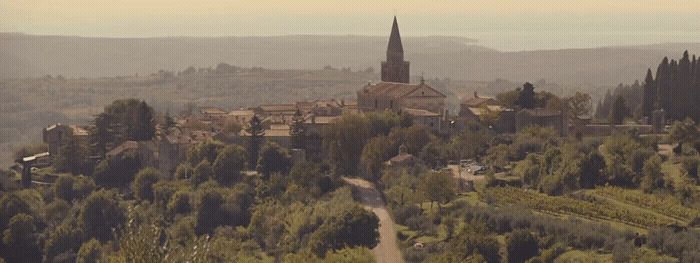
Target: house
[(241, 117), (145, 151), (277, 133), (56, 135), (173, 147), (425, 118), (277, 113), (542, 118), (403, 159)]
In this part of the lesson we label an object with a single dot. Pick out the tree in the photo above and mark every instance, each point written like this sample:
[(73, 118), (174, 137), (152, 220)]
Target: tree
[(256, 132), (649, 97), (528, 170), (143, 183), (579, 104), (229, 164), (274, 159), (168, 122), (101, 214), (526, 98), (207, 150), (619, 111), (63, 187), (373, 156), (352, 227), (207, 212), (684, 132), (145, 126), (474, 240), (344, 141), (202, 173), (12, 204), (653, 177), (116, 171), (521, 246), (438, 187), (20, 240), (297, 131)]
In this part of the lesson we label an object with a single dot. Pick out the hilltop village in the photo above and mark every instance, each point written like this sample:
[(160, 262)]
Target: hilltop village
[(390, 176)]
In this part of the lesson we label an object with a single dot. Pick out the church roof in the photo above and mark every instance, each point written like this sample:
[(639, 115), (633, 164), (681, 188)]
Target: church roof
[(395, 89), (395, 38)]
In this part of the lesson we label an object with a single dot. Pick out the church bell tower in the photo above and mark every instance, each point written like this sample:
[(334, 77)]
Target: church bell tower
[(395, 69)]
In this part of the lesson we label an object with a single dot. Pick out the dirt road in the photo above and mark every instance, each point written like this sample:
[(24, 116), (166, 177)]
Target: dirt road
[(387, 251)]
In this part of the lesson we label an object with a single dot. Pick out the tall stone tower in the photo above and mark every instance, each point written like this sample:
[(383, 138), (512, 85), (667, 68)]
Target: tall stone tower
[(395, 69)]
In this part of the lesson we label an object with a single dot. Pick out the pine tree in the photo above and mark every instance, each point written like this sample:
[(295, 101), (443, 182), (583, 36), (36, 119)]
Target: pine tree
[(256, 132), (526, 99)]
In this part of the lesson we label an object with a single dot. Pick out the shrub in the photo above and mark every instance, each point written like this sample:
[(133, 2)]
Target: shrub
[(90, 252), (521, 246), (143, 184)]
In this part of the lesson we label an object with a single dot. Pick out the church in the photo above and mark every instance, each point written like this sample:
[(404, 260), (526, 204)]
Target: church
[(395, 93)]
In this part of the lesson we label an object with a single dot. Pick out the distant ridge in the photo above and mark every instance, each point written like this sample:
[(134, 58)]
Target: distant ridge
[(23, 55)]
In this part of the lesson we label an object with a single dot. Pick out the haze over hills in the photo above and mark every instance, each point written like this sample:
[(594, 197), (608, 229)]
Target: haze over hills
[(437, 56)]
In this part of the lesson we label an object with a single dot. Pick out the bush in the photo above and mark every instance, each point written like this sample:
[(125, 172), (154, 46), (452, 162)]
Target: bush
[(228, 164), (143, 184), (622, 252), (180, 203), (521, 246), (101, 214), (63, 187), (202, 173), (90, 252), (403, 213), (184, 171)]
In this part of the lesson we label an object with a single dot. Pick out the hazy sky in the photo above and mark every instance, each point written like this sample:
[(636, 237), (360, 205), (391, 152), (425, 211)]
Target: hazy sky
[(507, 24)]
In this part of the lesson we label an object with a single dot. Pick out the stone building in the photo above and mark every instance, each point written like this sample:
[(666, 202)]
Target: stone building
[(56, 135), (542, 118), (394, 93), (395, 69)]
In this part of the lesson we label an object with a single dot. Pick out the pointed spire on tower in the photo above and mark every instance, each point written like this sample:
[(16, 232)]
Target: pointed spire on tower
[(395, 38)]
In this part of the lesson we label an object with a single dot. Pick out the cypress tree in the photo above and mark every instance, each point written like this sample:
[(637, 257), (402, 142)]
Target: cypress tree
[(649, 95), (619, 111), (256, 132), (662, 83)]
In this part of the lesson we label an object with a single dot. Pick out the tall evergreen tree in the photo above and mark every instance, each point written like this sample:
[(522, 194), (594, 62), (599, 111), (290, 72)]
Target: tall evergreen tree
[(662, 85), (256, 132), (649, 97), (297, 131), (619, 111), (145, 127)]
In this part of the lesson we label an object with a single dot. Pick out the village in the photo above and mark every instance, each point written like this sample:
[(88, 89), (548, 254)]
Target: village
[(399, 169)]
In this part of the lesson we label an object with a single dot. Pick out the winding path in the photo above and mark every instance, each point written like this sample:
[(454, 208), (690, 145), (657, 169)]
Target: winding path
[(387, 251)]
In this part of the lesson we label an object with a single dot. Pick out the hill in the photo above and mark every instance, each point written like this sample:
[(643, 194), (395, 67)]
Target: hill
[(438, 56)]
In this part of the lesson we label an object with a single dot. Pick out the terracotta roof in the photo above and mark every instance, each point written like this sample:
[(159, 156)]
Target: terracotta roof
[(241, 113), (211, 111), (278, 108), (478, 111), (394, 89), (420, 112), (539, 112), (124, 147), (320, 119), (478, 101)]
